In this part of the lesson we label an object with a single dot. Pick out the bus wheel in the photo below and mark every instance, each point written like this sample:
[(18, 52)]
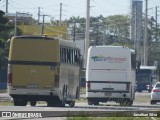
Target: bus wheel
[(153, 102), (90, 102), (33, 103), (130, 103), (96, 103), (121, 103), (16, 102), (19, 102), (72, 104), (51, 104)]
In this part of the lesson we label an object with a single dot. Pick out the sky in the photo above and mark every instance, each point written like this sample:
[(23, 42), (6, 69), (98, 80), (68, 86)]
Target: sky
[(74, 7)]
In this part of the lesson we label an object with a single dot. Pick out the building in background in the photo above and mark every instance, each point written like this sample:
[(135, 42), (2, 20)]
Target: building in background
[(22, 18), (136, 26)]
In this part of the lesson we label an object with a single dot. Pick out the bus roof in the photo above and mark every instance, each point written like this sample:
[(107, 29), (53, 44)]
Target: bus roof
[(63, 42), (110, 46), (148, 67)]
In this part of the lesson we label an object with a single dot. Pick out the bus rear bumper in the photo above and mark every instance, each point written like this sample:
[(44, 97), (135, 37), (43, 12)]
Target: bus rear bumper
[(118, 100), (32, 92)]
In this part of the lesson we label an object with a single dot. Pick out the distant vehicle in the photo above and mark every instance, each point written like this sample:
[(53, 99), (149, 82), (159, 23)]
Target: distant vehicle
[(110, 75), (43, 69), (155, 94), (146, 76)]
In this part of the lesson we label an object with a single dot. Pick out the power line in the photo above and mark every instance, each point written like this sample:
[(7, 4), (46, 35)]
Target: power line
[(20, 4)]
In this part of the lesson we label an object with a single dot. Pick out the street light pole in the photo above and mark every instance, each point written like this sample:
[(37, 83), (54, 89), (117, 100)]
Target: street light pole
[(42, 28), (87, 32), (146, 36), (6, 6), (15, 30)]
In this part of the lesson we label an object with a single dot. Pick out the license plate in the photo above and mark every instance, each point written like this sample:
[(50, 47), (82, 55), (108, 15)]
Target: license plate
[(107, 93)]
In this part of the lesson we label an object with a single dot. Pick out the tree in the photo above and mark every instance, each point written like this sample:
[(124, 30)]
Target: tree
[(78, 23), (153, 42), (115, 30), (3, 20), (117, 27), (6, 32)]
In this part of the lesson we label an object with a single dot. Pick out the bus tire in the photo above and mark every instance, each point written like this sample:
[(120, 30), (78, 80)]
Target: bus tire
[(121, 103), (90, 102), (72, 104), (33, 103), (51, 104), (96, 103), (19, 102), (130, 102), (16, 102), (153, 102)]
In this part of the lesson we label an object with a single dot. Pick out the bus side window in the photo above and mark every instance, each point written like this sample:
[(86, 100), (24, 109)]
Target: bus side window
[(76, 57), (73, 55), (61, 55), (63, 52), (69, 56), (65, 55)]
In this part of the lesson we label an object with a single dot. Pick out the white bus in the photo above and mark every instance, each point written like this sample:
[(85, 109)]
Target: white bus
[(43, 69), (110, 75)]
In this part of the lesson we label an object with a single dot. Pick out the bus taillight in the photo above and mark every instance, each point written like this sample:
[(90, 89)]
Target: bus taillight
[(9, 75), (9, 79), (88, 85)]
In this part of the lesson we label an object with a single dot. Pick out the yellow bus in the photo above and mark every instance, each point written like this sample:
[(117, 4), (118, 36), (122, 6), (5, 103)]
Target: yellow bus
[(43, 69)]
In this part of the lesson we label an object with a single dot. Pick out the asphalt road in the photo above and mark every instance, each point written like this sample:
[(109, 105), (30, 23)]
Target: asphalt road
[(141, 103), (139, 96)]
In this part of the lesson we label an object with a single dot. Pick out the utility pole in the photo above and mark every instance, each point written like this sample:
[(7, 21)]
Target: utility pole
[(156, 23), (135, 31), (136, 26), (146, 35), (42, 29), (39, 14), (60, 19), (87, 32), (74, 31), (15, 30), (6, 6)]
